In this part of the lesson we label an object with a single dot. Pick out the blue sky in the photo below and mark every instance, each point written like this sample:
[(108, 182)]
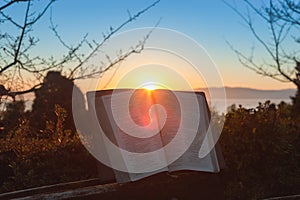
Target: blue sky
[(209, 22)]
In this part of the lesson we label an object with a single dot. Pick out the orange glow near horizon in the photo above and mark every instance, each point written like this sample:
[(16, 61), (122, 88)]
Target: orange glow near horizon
[(153, 77), (163, 69)]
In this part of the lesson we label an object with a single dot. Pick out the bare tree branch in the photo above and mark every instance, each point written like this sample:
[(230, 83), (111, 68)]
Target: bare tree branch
[(280, 17), (10, 3), (16, 59), (112, 32), (24, 29)]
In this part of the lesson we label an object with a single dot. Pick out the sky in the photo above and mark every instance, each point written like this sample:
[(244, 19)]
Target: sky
[(209, 22)]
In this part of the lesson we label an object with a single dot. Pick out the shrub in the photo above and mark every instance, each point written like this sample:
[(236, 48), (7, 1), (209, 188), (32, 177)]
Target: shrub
[(261, 150), (37, 161)]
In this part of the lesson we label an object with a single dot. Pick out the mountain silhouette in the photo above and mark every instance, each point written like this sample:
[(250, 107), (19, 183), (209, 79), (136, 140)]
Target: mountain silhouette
[(249, 93)]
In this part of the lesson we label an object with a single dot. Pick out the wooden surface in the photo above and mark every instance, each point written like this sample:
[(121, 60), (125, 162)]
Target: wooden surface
[(178, 185)]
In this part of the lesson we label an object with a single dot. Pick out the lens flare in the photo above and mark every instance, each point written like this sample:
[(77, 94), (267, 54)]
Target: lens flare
[(150, 86)]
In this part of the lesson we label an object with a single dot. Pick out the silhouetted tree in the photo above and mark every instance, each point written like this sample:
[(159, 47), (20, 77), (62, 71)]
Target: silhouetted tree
[(11, 116), (55, 89), (22, 71), (296, 104)]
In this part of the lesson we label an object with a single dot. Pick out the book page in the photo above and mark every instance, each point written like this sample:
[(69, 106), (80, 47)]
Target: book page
[(172, 131), (129, 116), (100, 143), (190, 159)]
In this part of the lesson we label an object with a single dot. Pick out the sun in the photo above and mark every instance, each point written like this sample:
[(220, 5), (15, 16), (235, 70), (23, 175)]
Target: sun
[(150, 86)]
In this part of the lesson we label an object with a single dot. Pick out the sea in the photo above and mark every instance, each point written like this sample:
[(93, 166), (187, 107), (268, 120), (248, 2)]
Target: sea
[(246, 103), (217, 106)]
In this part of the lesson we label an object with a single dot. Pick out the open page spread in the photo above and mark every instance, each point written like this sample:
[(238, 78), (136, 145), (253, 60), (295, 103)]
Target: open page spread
[(163, 128)]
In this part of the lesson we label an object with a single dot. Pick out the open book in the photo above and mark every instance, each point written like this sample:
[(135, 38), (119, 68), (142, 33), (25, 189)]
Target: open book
[(142, 123)]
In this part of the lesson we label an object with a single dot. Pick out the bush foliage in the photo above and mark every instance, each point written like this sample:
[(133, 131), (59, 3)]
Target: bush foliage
[(30, 159), (261, 147)]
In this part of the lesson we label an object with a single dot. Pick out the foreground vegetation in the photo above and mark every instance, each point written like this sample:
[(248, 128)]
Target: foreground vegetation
[(54, 155), (261, 148)]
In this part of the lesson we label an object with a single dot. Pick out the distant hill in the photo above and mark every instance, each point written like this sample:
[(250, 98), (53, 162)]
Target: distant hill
[(249, 93)]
